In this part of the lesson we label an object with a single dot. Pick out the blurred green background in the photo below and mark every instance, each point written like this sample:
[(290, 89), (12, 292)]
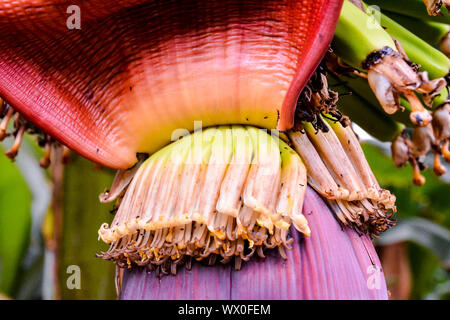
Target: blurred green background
[(40, 241)]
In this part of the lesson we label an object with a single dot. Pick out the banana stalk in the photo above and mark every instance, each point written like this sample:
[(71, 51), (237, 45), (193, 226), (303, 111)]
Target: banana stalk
[(430, 59), (435, 33), (357, 35), (412, 8)]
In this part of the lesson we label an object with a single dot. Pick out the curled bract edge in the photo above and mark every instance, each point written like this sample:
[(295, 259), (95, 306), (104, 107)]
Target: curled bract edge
[(138, 72)]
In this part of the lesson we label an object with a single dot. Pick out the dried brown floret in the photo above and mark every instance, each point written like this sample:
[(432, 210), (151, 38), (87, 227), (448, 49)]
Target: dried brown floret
[(338, 170), (12, 124)]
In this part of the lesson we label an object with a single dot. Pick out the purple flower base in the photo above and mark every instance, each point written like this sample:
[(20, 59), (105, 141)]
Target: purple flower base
[(332, 264)]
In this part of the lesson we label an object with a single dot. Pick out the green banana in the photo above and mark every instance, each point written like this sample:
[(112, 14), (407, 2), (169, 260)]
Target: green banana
[(362, 42), (431, 32), (430, 59), (358, 35), (412, 8), (367, 114), (441, 98)]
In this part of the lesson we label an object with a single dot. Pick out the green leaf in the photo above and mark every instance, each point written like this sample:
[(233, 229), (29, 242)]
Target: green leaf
[(423, 232), (15, 220), (82, 216), (427, 274)]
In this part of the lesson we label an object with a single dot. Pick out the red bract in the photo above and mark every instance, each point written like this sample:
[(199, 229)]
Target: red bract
[(138, 70), (334, 263)]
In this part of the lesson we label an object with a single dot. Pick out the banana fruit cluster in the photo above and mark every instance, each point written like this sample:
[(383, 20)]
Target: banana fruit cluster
[(434, 137), (391, 70)]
